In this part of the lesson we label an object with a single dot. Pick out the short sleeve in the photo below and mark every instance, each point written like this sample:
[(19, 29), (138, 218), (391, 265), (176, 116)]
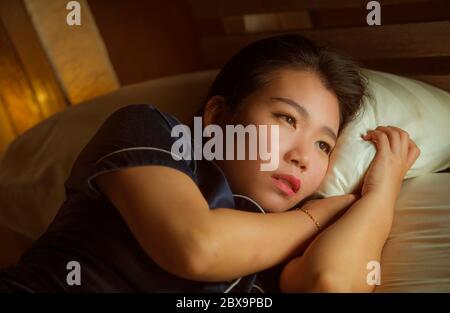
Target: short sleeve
[(135, 135)]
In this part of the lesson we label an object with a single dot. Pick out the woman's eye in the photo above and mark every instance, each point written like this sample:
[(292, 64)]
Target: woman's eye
[(289, 119), (325, 147)]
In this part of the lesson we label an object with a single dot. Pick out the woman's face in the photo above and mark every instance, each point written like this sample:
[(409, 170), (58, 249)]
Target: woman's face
[(308, 118)]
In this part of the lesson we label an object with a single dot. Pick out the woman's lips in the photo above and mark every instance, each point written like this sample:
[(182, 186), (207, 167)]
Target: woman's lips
[(288, 184)]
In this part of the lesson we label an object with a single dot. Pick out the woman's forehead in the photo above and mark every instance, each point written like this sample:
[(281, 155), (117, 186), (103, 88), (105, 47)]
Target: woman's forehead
[(305, 89)]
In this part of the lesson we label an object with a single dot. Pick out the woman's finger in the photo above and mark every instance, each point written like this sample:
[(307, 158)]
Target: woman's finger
[(380, 139), (404, 137), (394, 139), (413, 154)]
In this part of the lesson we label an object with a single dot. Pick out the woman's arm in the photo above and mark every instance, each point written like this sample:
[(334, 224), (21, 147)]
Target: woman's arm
[(172, 222), (337, 259)]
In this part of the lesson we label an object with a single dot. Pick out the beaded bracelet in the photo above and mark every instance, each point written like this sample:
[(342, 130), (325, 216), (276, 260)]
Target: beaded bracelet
[(311, 217)]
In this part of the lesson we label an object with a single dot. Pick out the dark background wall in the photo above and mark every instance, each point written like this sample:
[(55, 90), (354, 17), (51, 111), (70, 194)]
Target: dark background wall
[(147, 39)]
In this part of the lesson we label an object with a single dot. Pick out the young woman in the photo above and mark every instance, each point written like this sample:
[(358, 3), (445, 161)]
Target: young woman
[(139, 218)]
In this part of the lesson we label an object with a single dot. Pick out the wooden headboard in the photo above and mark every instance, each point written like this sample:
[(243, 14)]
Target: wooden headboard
[(413, 39)]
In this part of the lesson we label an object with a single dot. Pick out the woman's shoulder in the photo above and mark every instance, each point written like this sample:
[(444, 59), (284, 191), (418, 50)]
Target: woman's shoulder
[(142, 113), (134, 135), (135, 126)]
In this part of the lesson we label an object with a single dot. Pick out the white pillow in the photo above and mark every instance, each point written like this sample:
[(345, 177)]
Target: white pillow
[(418, 108)]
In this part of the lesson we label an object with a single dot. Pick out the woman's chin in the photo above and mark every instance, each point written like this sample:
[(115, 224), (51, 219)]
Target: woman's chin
[(274, 203)]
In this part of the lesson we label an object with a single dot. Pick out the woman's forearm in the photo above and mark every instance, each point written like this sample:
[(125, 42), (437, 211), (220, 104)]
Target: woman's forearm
[(240, 243), (342, 251)]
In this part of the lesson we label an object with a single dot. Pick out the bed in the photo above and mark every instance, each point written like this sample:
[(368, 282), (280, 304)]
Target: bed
[(416, 257)]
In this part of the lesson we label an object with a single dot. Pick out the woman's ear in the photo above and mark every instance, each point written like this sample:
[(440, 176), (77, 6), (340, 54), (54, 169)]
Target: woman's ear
[(214, 111)]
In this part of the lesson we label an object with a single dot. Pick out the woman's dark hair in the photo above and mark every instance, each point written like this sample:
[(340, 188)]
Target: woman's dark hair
[(250, 69)]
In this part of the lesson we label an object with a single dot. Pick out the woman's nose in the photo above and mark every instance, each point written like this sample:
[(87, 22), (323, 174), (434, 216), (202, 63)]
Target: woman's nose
[(298, 158)]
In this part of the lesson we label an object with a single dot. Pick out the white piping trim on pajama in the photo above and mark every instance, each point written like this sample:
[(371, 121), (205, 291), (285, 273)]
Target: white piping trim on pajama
[(141, 148), (124, 150), (259, 288), (233, 285), (251, 200)]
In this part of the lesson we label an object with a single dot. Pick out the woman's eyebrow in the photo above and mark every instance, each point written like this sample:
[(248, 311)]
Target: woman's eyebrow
[(305, 115)]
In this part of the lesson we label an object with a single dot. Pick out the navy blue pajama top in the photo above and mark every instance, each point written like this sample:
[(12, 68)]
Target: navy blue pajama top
[(88, 228)]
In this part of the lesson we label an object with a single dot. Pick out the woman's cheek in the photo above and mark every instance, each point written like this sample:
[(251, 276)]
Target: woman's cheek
[(320, 173), (269, 137)]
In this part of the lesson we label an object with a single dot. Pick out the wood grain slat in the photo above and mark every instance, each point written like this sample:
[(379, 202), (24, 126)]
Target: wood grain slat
[(148, 39), (441, 81), (438, 10), (375, 42), (277, 22), (411, 66), (222, 8), (393, 14)]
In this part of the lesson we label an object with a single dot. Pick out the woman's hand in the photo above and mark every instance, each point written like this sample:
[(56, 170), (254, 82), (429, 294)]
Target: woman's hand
[(395, 155)]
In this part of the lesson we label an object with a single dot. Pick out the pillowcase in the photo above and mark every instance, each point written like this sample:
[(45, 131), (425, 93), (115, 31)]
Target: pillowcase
[(416, 107)]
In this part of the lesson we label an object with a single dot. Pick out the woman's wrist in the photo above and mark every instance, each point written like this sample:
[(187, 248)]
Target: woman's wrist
[(313, 219), (386, 192), (325, 211), (385, 198)]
